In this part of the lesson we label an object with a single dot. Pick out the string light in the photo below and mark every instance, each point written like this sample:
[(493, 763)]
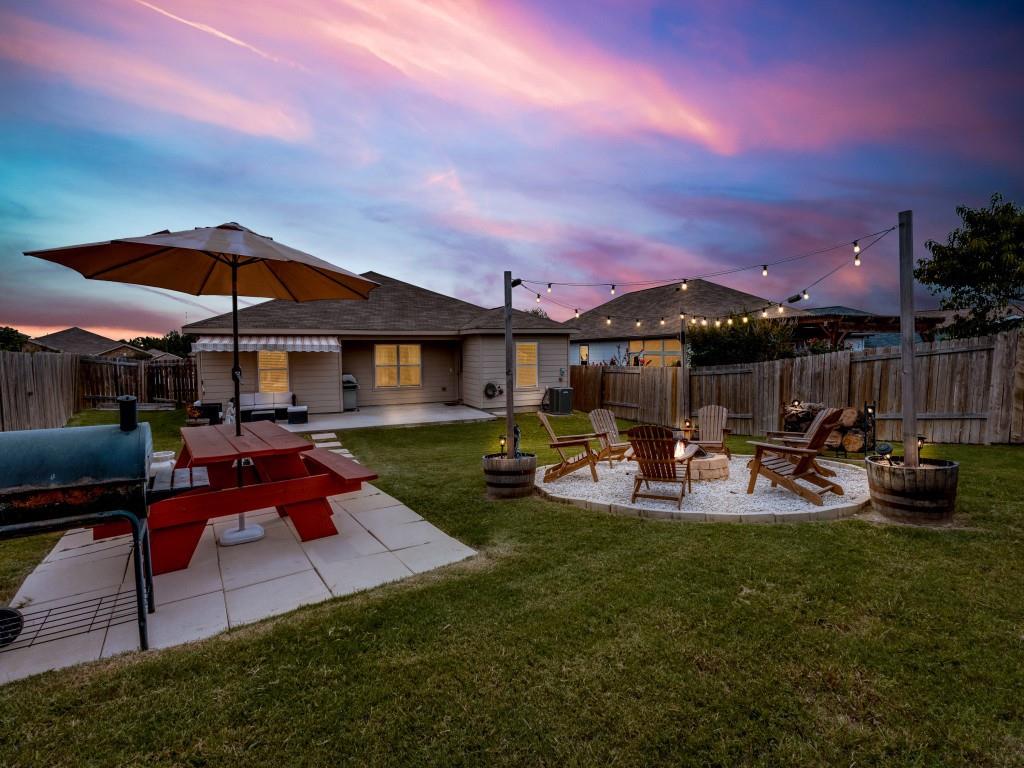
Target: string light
[(856, 260), (638, 322), (538, 298), (683, 286), (718, 323), (729, 321), (806, 295), (856, 253), (703, 321), (764, 313), (577, 314), (549, 287), (682, 316), (607, 321), (663, 321), (612, 290), (856, 247), (693, 321), (746, 319), (764, 270), (781, 309)]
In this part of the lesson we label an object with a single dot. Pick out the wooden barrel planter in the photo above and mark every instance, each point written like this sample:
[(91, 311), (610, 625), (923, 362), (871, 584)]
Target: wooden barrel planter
[(509, 478), (926, 493)]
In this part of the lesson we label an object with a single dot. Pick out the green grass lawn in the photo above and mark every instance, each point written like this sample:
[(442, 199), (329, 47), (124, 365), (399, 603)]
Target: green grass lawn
[(578, 638)]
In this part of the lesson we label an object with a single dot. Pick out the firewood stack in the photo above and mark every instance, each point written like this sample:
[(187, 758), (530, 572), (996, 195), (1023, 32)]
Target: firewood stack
[(849, 435)]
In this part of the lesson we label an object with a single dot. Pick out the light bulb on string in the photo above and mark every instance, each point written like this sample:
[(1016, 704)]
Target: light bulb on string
[(703, 321), (663, 321), (638, 323), (764, 270), (718, 323), (607, 321), (806, 295), (684, 286), (549, 287), (729, 321), (764, 313), (577, 314), (746, 319), (612, 290), (781, 309), (538, 298), (682, 316)]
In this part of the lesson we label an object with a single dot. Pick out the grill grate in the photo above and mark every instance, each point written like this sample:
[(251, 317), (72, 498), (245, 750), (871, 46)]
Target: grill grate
[(45, 625)]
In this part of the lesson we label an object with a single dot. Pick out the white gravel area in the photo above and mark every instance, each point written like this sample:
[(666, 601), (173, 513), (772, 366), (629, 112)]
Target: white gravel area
[(713, 500)]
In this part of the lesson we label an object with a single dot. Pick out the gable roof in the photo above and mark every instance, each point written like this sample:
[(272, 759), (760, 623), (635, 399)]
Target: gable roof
[(839, 310), (79, 341), (395, 307), (701, 298)]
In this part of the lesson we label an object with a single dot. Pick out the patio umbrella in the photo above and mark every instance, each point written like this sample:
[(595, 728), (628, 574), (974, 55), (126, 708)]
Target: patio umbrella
[(229, 260)]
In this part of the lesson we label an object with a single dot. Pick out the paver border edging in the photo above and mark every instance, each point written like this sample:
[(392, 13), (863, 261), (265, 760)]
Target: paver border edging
[(855, 505)]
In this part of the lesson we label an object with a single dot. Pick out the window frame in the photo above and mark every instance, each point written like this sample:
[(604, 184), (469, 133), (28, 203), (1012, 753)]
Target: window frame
[(261, 368), (398, 366), (536, 365)]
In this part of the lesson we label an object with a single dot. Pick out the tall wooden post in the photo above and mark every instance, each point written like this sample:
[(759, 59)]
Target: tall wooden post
[(910, 458), (510, 382)]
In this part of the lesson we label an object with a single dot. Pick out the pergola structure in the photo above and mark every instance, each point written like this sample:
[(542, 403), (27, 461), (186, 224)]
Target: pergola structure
[(835, 327)]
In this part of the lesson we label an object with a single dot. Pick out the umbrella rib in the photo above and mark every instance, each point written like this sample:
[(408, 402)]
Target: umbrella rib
[(279, 280), (336, 280), (206, 279), (128, 263)]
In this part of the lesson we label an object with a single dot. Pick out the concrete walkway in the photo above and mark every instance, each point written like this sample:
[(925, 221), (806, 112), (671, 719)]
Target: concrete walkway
[(391, 416)]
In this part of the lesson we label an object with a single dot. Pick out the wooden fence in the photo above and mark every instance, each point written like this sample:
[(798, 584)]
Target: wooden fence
[(37, 391), (969, 390), (44, 389)]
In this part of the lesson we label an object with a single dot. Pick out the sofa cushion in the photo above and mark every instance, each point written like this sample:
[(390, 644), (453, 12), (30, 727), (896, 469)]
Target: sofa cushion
[(264, 399), (246, 400), (282, 399)]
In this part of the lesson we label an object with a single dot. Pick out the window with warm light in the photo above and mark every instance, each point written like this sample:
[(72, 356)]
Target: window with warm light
[(656, 353), (584, 353), (527, 375), (397, 365), (273, 371)]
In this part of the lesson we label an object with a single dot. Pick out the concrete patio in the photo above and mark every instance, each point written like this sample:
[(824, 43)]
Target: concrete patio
[(380, 540), (392, 416)]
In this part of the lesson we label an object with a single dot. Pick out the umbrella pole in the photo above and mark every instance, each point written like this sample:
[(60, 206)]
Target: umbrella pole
[(241, 534)]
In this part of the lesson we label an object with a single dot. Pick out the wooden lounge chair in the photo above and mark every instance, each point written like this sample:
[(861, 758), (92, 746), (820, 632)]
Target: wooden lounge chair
[(799, 440), (613, 447), (786, 464), (712, 430), (570, 460), (654, 449)]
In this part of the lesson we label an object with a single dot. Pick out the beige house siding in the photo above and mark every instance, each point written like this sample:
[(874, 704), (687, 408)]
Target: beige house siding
[(315, 378), (439, 380), (484, 361), (215, 385)]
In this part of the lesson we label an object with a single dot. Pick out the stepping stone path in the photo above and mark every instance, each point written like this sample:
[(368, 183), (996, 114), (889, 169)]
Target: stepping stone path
[(329, 440)]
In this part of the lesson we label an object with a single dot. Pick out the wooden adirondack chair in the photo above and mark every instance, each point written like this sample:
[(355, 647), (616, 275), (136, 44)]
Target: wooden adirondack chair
[(613, 447), (654, 449), (799, 440), (712, 430), (570, 460), (786, 464)]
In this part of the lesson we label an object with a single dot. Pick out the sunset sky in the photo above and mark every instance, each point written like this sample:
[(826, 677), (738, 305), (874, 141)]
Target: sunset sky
[(443, 142)]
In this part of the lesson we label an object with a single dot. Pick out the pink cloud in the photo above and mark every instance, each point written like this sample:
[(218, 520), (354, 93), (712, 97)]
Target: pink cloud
[(114, 70)]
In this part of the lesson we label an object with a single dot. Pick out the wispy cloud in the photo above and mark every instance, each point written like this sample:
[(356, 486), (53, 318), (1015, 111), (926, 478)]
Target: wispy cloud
[(116, 71), (220, 34)]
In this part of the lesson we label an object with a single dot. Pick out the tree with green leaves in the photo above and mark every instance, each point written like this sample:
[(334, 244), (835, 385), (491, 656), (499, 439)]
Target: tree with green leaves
[(751, 342), (11, 339), (979, 270), (174, 342)]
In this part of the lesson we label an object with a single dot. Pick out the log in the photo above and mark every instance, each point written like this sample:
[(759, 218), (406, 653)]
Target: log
[(853, 441), (834, 440), (849, 418)]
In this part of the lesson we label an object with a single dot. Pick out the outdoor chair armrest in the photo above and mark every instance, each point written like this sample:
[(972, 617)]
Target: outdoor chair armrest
[(776, 448), (774, 435), (570, 443), (587, 436)]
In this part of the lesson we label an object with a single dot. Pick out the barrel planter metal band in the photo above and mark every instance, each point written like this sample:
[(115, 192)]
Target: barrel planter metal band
[(924, 493), (509, 478)]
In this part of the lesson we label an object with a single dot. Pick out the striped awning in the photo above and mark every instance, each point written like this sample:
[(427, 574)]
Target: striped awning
[(268, 343)]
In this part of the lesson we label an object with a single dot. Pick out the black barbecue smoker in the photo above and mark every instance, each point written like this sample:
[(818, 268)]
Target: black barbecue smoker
[(78, 477)]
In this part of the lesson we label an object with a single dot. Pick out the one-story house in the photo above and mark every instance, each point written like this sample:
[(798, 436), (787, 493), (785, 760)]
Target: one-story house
[(644, 326), (162, 356), (404, 345), (79, 341)]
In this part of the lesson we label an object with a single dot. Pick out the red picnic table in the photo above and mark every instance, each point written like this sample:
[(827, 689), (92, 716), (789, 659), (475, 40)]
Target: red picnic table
[(279, 469)]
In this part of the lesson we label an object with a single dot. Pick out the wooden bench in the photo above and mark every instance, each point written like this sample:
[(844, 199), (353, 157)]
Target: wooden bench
[(168, 482)]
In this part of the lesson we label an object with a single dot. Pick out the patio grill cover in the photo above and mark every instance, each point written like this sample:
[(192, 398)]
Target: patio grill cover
[(268, 343)]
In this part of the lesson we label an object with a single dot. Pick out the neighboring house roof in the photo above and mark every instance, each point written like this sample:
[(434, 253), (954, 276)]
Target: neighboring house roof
[(159, 354), (840, 311), (395, 308), (79, 341), (701, 298)]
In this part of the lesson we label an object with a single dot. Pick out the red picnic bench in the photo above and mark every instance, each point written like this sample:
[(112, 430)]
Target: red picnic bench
[(278, 469)]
